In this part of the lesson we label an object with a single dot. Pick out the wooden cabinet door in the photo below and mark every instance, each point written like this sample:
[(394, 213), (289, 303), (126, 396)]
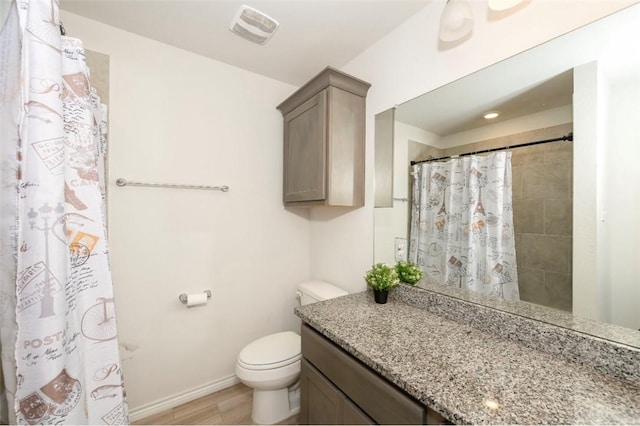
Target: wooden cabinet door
[(323, 403), (352, 415), (319, 400), (305, 139)]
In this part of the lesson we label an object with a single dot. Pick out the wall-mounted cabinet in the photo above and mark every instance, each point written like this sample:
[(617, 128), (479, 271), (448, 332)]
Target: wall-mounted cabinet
[(324, 138)]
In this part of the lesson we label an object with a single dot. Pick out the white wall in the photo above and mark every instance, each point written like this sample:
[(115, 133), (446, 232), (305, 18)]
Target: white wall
[(623, 203), (392, 222), (410, 61), (588, 98), (177, 117)]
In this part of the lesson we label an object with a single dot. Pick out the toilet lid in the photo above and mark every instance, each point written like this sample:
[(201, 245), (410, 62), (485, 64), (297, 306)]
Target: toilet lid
[(271, 351)]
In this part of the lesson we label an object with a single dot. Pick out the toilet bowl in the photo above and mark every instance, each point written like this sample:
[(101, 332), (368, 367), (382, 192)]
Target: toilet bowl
[(271, 364)]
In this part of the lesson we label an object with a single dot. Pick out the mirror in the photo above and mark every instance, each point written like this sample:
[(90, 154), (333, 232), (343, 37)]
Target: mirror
[(586, 82)]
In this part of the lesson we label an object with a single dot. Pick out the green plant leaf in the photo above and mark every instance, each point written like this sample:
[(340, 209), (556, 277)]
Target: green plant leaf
[(409, 272), (382, 277)]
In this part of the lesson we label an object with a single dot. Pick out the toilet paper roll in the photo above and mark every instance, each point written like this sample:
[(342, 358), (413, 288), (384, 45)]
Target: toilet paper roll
[(197, 299)]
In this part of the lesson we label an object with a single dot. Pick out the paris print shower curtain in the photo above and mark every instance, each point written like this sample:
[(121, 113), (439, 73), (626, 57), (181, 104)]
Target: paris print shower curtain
[(60, 358), (462, 224)]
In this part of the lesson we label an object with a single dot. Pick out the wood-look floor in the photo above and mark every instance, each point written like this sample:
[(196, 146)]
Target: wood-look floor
[(230, 406)]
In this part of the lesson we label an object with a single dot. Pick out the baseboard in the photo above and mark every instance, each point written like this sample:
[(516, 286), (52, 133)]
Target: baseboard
[(182, 397)]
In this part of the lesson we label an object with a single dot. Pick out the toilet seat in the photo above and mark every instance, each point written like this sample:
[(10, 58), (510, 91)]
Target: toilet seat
[(271, 352), (271, 365)]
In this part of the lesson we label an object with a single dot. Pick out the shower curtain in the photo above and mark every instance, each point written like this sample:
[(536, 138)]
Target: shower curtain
[(462, 224), (60, 357)]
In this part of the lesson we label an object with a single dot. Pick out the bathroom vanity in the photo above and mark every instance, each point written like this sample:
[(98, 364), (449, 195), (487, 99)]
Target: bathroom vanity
[(336, 388), (406, 362)]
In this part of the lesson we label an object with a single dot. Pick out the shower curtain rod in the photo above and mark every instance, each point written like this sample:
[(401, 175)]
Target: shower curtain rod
[(568, 137)]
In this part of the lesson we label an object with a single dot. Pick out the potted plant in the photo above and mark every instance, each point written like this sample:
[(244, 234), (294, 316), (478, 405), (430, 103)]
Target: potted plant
[(382, 278), (409, 272)]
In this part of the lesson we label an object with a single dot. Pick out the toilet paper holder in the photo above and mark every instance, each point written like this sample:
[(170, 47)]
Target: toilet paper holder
[(183, 297)]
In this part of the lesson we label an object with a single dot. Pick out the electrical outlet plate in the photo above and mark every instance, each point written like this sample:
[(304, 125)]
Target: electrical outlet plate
[(401, 246)]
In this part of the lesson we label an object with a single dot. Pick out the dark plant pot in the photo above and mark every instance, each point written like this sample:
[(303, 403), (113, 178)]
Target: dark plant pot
[(380, 296)]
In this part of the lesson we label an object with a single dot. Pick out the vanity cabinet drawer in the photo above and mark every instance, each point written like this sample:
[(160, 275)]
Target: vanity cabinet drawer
[(380, 400)]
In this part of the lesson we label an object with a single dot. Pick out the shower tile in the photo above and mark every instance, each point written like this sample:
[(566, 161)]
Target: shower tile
[(457, 150), (558, 217), (526, 156), (558, 152), (528, 216), (557, 181), (558, 290), (516, 183), (533, 182), (99, 65), (531, 285), (488, 144), (547, 252)]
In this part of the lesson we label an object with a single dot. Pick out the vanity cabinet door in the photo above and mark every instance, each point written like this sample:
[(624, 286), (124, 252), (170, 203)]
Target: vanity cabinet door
[(322, 403), (319, 399), (352, 415)]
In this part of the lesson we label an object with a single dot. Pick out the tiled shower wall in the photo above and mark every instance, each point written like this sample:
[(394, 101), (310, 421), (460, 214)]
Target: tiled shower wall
[(542, 212)]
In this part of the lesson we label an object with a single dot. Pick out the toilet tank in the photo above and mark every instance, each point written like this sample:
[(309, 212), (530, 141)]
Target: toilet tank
[(317, 291)]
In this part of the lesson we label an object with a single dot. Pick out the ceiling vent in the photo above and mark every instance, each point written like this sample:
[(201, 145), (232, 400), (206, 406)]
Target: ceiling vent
[(253, 25)]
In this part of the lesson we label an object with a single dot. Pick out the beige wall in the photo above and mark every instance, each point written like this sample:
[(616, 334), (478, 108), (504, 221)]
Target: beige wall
[(176, 117)]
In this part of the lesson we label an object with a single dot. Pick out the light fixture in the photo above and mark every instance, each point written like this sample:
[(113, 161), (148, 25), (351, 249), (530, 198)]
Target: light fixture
[(503, 4), (456, 20), (491, 114), (253, 25)]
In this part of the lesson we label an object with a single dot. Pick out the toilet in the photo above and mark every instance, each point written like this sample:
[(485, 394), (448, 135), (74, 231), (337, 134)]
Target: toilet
[(271, 364)]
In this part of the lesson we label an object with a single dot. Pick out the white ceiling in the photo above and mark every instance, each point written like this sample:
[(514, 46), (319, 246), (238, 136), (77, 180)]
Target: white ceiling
[(462, 104), (312, 35)]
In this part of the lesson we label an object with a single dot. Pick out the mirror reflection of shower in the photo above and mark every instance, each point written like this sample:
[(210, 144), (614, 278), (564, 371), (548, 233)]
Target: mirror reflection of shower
[(542, 183), (542, 212)]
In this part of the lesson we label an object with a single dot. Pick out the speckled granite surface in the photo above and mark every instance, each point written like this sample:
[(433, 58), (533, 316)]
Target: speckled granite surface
[(459, 370), (606, 356), (625, 336)]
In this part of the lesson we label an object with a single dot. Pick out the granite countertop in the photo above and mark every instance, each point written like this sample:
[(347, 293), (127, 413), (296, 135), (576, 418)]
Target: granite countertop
[(467, 375)]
